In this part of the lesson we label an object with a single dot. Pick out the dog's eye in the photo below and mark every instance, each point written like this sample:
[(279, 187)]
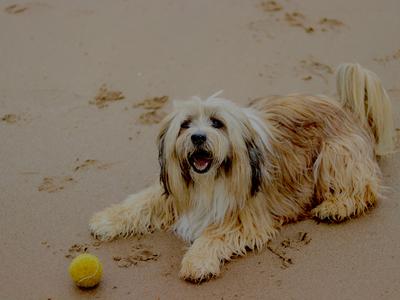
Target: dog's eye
[(185, 124), (216, 123)]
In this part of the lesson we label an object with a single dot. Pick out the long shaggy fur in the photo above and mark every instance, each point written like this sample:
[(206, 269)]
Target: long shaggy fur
[(230, 176), (360, 91)]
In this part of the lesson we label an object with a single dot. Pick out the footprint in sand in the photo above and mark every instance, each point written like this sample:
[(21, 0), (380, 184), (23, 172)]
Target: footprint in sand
[(271, 6), (15, 9), (58, 183), (105, 96), (280, 247), (152, 103), (55, 184), (92, 163), (388, 58), (154, 114), (297, 19), (79, 248), (314, 68), (152, 117), (327, 23), (137, 254), (10, 118)]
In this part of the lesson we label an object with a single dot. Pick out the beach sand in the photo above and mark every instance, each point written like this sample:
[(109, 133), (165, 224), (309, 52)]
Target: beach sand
[(77, 135)]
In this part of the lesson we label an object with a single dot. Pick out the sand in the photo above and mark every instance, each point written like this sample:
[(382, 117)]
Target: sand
[(62, 158)]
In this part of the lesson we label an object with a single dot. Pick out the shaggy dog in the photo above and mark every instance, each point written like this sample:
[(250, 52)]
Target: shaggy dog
[(230, 175)]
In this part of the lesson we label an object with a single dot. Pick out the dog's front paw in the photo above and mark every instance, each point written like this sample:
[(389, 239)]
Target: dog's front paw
[(198, 269), (331, 211), (104, 226)]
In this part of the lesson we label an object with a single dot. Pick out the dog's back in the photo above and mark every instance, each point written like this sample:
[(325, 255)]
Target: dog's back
[(324, 150)]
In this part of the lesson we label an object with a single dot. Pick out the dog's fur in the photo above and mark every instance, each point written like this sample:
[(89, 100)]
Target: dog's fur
[(252, 169)]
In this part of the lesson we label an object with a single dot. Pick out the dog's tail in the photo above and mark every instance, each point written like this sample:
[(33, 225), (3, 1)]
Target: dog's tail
[(361, 91)]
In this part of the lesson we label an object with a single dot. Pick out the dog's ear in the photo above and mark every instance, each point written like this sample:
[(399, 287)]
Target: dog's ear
[(255, 159), (162, 159)]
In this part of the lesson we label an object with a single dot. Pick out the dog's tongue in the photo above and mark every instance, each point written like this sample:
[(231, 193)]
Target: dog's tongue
[(201, 163)]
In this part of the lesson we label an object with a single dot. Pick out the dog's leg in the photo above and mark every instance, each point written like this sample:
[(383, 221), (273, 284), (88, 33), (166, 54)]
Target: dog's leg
[(139, 214), (347, 180), (249, 229)]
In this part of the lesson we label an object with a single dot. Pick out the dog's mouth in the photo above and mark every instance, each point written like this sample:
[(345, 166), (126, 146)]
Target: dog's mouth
[(200, 161)]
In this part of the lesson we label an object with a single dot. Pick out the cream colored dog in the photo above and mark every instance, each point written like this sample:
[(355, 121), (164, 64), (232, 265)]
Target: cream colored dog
[(230, 176)]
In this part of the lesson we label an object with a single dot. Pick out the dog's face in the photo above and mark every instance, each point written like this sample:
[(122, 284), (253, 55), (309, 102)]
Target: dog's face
[(208, 138), (202, 140)]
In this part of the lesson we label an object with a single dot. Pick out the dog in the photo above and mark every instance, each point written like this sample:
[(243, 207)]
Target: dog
[(230, 176)]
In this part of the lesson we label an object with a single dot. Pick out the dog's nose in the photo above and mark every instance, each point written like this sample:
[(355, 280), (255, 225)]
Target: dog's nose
[(198, 138)]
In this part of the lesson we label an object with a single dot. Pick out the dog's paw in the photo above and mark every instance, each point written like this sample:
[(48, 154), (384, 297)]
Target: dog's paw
[(331, 211), (104, 227), (198, 269)]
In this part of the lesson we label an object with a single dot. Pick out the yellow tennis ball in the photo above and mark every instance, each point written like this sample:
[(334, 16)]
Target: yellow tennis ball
[(86, 270)]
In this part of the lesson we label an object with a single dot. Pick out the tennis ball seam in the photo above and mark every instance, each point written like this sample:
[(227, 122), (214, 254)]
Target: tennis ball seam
[(81, 266), (92, 275)]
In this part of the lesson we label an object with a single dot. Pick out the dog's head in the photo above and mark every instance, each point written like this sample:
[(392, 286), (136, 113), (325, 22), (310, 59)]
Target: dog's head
[(209, 138)]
